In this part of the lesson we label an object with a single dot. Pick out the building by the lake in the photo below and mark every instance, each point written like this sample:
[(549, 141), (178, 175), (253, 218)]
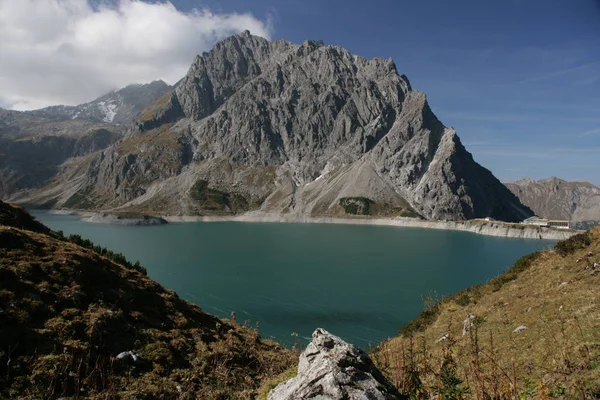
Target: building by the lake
[(553, 223)]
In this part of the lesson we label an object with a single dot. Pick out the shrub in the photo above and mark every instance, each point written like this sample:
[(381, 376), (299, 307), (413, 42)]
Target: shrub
[(573, 243), (103, 251), (216, 200), (426, 318), (410, 214), (521, 265), (462, 299), (356, 205)]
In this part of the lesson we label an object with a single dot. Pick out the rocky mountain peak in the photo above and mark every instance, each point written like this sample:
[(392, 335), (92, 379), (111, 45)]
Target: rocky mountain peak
[(216, 75), (312, 44), (304, 129), (553, 180), (524, 182)]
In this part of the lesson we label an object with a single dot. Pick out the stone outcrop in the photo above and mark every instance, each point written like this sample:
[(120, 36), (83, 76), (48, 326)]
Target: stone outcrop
[(330, 368)]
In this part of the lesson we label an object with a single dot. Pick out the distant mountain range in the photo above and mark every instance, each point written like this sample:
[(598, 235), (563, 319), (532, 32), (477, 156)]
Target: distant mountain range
[(119, 106), (34, 144), (272, 126), (556, 198)]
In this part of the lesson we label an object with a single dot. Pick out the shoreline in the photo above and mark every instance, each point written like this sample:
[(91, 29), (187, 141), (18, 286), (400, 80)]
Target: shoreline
[(477, 226), (480, 227)]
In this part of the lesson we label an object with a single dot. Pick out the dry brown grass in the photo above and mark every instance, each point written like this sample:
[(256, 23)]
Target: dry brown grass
[(558, 355), (66, 312)]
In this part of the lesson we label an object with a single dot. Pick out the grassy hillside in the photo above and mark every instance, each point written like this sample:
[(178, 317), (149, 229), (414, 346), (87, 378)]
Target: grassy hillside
[(533, 332), (68, 312)]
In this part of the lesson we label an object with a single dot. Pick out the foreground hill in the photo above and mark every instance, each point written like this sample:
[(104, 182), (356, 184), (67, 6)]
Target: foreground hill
[(532, 332), (84, 322), (301, 129), (555, 198)]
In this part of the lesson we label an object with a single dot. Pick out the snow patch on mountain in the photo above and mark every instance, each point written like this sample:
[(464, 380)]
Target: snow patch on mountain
[(108, 109)]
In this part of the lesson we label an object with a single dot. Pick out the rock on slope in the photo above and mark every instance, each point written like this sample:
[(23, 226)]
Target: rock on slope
[(330, 368), (74, 323), (304, 129), (532, 332), (555, 198)]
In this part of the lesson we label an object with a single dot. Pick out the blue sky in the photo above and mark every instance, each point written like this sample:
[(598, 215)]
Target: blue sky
[(518, 79)]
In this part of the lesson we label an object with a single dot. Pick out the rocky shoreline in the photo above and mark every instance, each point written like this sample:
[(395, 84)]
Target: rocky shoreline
[(114, 219), (141, 220), (480, 227)]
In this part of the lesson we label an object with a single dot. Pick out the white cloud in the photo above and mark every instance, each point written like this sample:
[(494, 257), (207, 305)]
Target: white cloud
[(69, 52)]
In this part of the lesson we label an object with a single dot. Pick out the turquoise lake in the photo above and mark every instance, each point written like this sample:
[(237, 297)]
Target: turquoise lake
[(359, 282)]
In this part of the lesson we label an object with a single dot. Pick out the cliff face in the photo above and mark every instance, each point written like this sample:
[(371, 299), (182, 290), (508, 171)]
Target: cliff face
[(302, 129), (555, 198), (79, 322)]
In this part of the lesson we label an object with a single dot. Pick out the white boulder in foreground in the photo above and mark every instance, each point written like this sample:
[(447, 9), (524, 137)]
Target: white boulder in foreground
[(330, 368)]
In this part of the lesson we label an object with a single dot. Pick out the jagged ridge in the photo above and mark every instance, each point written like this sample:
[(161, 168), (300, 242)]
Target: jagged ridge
[(296, 129)]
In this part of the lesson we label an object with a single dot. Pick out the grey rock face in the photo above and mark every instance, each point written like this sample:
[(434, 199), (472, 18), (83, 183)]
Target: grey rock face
[(216, 75), (556, 198), (330, 368), (294, 129)]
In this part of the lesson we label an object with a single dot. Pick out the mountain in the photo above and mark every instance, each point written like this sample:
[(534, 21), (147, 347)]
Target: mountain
[(78, 321), (119, 106), (33, 149), (300, 129), (37, 145), (531, 332), (555, 198)]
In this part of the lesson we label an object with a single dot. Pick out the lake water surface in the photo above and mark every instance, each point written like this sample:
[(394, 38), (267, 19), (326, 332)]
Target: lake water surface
[(359, 282)]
